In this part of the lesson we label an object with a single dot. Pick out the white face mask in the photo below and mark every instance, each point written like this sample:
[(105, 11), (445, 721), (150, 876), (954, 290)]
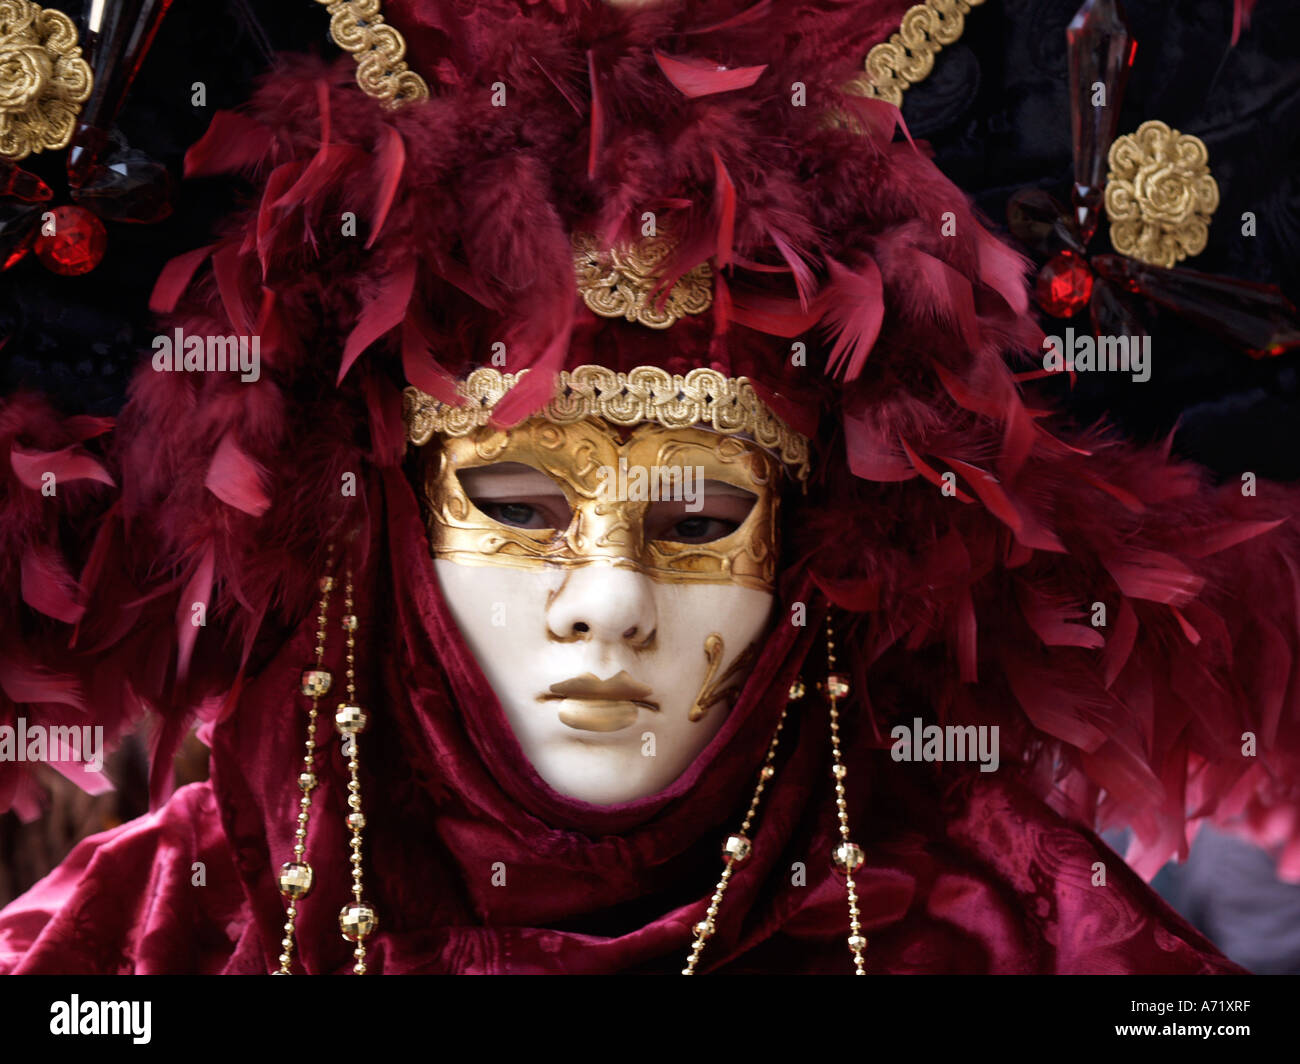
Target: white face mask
[(615, 636), (511, 619)]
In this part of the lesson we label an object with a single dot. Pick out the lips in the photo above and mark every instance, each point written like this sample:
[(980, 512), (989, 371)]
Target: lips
[(588, 703)]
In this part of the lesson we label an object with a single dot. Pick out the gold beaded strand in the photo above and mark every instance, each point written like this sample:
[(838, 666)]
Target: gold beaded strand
[(357, 920), (737, 848), (847, 856), (296, 876)]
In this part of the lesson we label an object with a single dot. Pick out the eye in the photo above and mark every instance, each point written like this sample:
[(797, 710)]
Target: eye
[(700, 530), (516, 495), (517, 514), (714, 514)]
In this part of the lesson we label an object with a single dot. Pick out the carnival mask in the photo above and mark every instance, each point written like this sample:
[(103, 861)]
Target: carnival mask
[(613, 583)]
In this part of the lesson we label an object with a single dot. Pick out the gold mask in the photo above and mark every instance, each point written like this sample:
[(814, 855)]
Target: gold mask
[(609, 479)]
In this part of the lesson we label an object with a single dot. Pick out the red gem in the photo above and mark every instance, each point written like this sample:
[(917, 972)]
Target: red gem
[(76, 244), (1064, 285)]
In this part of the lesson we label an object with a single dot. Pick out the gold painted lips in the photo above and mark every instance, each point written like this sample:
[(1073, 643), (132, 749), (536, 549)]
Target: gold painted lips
[(588, 703)]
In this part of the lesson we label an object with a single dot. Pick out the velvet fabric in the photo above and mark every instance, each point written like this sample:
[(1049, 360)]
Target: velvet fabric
[(476, 866)]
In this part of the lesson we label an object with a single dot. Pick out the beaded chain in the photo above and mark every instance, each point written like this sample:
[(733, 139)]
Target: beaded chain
[(357, 920), (847, 855)]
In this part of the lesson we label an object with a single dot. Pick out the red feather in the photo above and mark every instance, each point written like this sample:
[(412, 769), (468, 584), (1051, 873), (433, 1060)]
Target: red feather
[(699, 77)]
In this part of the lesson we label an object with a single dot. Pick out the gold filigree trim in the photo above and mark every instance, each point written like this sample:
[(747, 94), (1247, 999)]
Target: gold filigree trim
[(357, 26), (895, 65), (703, 397), (1159, 194), (43, 79), (620, 282)]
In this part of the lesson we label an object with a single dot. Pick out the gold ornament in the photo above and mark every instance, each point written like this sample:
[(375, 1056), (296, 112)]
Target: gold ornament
[(43, 79), (895, 65), (1159, 194), (605, 525), (358, 26), (623, 282), (703, 397)]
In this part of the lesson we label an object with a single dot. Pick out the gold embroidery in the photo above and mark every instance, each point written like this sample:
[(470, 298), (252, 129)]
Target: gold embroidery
[(1159, 194), (43, 79), (703, 397), (620, 282), (357, 26), (895, 65)]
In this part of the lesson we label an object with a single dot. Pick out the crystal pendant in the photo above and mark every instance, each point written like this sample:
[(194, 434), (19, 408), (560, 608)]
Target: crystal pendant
[(1101, 50), (316, 682), (1258, 318), (357, 922), (1041, 222), (19, 223), (22, 185), (128, 186), (116, 35), (1112, 313), (1064, 285), (74, 244)]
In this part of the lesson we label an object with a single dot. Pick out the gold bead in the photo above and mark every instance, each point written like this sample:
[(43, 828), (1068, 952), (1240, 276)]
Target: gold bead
[(306, 781), (327, 583), (350, 719), (356, 821), (316, 682), (295, 879), (737, 848), (349, 622), (839, 772), (837, 685), (703, 929), (857, 942), (768, 772), (847, 856), (797, 691), (357, 921)]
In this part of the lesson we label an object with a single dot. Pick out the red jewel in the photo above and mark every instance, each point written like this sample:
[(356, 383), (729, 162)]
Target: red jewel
[(1064, 285), (76, 244)]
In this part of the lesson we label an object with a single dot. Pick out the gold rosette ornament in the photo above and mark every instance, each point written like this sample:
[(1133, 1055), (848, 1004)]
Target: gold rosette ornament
[(1159, 195), (43, 79)]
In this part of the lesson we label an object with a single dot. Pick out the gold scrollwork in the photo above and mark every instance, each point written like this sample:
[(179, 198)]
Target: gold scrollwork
[(621, 282), (703, 397), (43, 79), (358, 26), (895, 65)]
